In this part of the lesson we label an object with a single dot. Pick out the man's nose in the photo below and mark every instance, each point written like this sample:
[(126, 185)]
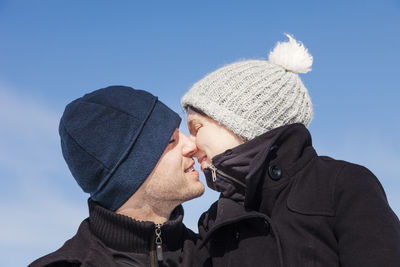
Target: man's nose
[(190, 148), (198, 154)]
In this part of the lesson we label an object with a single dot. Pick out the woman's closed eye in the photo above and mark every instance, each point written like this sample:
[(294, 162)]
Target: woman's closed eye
[(196, 128)]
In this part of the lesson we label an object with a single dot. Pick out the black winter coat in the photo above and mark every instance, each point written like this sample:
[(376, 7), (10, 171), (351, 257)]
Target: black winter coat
[(109, 239), (283, 205)]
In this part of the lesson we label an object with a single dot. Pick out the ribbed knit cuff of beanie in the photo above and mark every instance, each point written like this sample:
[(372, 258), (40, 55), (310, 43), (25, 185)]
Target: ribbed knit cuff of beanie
[(251, 97)]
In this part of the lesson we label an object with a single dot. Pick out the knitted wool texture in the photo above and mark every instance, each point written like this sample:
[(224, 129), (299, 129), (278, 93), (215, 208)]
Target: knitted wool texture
[(252, 97)]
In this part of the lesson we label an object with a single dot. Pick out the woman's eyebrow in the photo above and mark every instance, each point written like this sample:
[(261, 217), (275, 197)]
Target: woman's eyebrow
[(191, 124)]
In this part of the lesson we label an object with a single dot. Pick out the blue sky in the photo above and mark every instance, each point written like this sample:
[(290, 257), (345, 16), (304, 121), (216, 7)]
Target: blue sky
[(53, 51)]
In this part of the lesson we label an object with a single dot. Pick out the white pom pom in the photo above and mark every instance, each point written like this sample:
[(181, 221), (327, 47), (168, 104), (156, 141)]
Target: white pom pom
[(292, 56)]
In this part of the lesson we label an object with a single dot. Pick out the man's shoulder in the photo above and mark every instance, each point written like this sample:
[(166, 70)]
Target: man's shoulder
[(72, 253)]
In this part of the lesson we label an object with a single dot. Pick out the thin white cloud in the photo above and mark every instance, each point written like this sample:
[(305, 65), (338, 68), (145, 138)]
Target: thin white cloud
[(28, 134), (42, 203), (24, 114)]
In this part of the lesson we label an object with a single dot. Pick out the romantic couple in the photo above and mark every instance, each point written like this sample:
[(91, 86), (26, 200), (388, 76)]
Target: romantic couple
[(280, 204)]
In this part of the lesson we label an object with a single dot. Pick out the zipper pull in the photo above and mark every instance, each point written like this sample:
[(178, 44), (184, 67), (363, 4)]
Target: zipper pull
[(214, 173), (158, 242)]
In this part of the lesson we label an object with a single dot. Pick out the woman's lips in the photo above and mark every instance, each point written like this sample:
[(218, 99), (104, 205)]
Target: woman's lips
[(204, 165), (203, 162)]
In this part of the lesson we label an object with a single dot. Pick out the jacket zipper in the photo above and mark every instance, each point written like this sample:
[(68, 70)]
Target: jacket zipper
[(214, 172), (156, 253), (158, 242)]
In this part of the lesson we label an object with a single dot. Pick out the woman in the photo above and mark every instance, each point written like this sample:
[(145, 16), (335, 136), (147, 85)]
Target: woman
[(281, 204)]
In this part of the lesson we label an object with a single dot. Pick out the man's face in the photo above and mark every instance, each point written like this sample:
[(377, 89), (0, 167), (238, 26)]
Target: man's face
[(211, 138), (174, 178)]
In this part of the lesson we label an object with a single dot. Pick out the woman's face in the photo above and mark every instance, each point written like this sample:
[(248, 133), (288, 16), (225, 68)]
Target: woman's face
[(211, 138)]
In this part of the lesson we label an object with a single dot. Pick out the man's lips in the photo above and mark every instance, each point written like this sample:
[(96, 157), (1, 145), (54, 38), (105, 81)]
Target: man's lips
[(190, 168)]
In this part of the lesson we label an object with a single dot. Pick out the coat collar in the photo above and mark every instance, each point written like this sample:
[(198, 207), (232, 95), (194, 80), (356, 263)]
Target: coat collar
[(285, 150), (123, 233)]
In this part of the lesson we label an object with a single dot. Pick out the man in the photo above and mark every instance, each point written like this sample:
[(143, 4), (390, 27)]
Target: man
[(281, 204), (123, 148)]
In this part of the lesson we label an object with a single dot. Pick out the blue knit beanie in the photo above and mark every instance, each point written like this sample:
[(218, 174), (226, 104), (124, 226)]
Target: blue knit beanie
[(112, 139)]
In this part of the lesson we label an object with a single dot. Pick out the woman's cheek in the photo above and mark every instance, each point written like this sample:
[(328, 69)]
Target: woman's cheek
[(203, 144)]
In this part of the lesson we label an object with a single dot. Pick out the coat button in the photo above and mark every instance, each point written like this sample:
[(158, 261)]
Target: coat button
[(275, 172), (273, 147)]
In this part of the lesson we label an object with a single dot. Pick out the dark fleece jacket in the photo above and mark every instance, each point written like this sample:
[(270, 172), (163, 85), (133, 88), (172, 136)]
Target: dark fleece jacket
[(109, 239)]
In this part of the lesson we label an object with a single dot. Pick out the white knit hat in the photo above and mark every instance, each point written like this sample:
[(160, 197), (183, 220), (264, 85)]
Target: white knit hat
[(251, 97)]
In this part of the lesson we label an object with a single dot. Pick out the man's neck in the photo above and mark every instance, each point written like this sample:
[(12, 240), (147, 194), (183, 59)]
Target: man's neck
[(157, 213)]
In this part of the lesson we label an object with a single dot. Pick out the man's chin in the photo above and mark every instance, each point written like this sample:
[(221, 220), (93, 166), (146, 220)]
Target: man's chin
[(195, 193)]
